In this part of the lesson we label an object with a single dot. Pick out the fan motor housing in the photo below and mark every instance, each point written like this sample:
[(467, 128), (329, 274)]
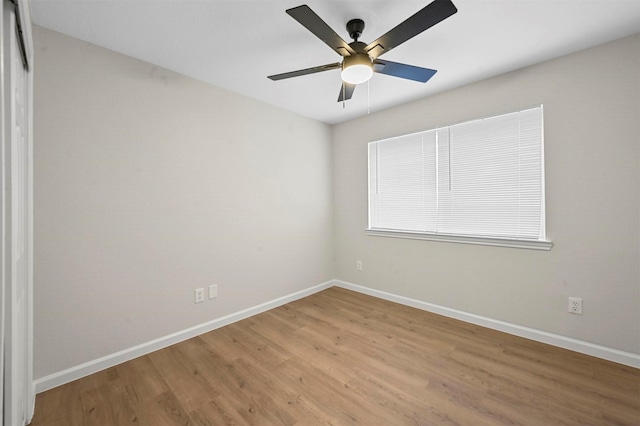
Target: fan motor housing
[(357, 59), (358, 46)]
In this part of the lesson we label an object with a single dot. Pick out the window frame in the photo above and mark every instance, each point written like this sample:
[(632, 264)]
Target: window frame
[(522, 243)]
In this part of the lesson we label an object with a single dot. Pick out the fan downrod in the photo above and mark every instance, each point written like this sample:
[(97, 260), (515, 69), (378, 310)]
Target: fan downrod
[(355, 28)]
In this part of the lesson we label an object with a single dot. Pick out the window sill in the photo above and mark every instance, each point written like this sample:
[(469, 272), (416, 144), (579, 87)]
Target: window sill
[(485, 241)]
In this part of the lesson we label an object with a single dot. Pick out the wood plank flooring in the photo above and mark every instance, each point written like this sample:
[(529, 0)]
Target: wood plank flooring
[(343, 358)]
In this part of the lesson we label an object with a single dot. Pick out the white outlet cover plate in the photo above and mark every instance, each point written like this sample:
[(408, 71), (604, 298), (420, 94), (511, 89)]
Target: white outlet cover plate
[(213, 291), (575, 305)]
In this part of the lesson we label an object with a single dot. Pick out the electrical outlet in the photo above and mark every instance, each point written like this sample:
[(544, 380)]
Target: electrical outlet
[(358, 265), (199, 295), (213, 291), (575, 305)]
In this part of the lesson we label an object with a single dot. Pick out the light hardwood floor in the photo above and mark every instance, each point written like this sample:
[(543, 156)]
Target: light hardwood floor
[(343, 358)]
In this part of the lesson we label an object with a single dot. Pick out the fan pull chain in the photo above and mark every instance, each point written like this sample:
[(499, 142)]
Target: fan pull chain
[(368, 97)]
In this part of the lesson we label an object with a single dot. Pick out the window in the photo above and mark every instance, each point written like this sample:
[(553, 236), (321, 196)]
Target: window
[(479, 182)]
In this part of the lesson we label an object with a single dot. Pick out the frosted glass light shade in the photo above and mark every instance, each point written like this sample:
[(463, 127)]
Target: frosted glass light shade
[(357, 74), (357, 68)]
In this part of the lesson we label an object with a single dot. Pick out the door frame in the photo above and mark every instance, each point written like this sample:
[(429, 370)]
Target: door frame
[(16, 333)]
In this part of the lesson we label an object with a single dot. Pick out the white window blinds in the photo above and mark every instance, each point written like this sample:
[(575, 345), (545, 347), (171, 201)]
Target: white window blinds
[(482, 178)]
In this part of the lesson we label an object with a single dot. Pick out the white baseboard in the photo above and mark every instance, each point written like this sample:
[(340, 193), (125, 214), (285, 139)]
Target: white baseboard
[(621, 357), (77, 372)]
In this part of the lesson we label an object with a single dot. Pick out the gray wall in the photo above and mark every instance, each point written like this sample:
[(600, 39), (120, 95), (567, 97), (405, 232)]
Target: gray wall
[(149, 184), (592, 113)]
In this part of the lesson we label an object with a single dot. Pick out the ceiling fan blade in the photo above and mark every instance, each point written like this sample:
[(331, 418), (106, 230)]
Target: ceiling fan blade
[(434, 12), (346, 91), (409, 72), (320, 29), (305, 71)]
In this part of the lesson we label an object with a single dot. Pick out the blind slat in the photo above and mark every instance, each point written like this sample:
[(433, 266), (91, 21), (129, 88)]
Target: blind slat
[(478, 178)]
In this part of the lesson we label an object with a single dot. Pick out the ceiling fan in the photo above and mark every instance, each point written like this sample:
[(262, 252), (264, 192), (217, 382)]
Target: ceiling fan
[(360, 60)]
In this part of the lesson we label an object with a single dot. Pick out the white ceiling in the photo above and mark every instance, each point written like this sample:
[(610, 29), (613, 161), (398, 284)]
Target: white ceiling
[(236, 44)]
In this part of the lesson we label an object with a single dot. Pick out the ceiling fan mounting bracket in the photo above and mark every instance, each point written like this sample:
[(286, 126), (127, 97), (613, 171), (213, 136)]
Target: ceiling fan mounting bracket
[(355, 27)]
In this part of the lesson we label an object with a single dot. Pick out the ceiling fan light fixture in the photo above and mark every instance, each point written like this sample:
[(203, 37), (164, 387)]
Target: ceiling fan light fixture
[(357, 68)]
